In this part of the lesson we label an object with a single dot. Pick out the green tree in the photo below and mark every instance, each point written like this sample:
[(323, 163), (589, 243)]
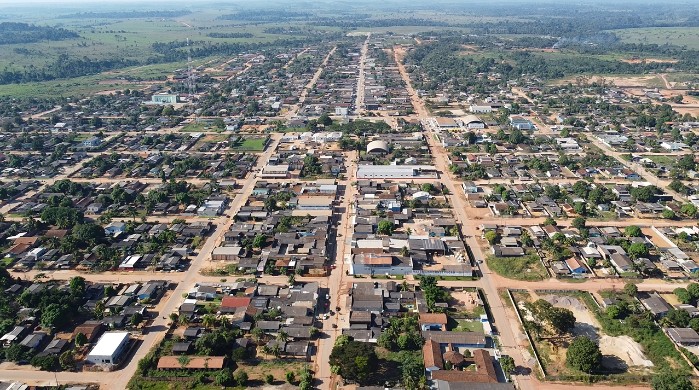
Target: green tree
[(15, 352), (630, 289), (584, 355), (507, 364), (491, 236), (259, 241), (613, 312), (689, 210), (550, 221), (77, 285), (46, 362), (67, 360), (668, 214), (637, 250), (693, 289), (80, 339), (676, 318), (671, 380), (223, 377), (385, 227), (241, 378), (682, 295), (354, 361), (269, 379), (136, 319), (579, 222), (633, 231)]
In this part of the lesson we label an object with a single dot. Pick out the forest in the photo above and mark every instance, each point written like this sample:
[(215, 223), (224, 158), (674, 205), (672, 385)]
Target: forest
[(16, 33)]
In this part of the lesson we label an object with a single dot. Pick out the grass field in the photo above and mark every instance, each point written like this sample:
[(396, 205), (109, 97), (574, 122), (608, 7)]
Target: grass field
[(680, 36), (527, 268), (86, 85), (251, 145)]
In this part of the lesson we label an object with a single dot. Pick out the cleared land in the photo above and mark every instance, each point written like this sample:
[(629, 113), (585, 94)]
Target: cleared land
[(680, 36)]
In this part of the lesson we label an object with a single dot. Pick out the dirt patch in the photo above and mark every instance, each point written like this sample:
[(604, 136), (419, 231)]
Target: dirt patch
[(619, 352), (619, 81), (469, 300), (649, 60), (626, 349)]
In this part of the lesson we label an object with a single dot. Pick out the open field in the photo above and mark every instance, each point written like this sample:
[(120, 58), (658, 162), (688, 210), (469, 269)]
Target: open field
[(680, 36), (519, 268)]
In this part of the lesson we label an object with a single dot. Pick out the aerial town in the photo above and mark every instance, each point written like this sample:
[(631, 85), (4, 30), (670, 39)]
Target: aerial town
[(381, 203)]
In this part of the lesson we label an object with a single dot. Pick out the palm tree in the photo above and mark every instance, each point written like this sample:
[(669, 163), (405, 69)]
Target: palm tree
[(209, 321), (282, 336), (266, 350), (276, 350)]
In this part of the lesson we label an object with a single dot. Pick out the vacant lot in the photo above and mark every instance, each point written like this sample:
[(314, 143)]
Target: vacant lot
[(250, 145), (619, 353), (527, 268)]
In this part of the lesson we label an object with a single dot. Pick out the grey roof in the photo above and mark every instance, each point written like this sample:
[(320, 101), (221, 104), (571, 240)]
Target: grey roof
[(470, 338), (656, 304)]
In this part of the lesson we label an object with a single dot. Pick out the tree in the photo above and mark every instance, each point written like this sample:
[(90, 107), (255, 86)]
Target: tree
[(45, 363), (209, 321), (354, 361), (223, 377), (689, 210), (633, 231), (257, 333), (668, 214), (241, 378), (682, 295), (637, 250), (507, 364), (491, 236), (259, 241), (579, 222), (385, 227), (676, 318), (14, 352), (671, 380), (67, 360), (269, 379), (427, 187), (550, 221), (693, 289), (613, 311), (77, 285), (630, 289), (325, 120), (584, 355), (562, 320), (80, 339), (136, 319)]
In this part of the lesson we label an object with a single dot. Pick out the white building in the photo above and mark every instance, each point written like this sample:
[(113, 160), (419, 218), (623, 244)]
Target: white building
[(109, 348)]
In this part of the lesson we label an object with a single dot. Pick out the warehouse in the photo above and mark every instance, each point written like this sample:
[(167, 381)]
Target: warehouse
[(396, 171), (109, 348)]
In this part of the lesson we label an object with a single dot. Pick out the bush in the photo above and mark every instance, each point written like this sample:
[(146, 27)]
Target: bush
[(269, 379), (241, 378), (290, 377)]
